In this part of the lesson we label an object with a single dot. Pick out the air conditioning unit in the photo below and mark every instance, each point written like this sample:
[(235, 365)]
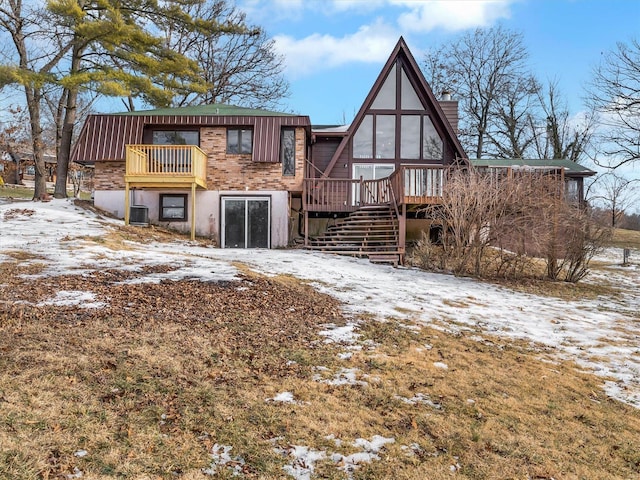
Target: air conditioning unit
[(139, 215)]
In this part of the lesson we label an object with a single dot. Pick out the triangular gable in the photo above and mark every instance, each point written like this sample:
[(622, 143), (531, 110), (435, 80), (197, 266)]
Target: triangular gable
[(416, 96)]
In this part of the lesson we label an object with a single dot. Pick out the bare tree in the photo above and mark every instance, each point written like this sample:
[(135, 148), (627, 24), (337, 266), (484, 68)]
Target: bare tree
[(557, 135), (511, 133), (616, 194), (614, 92), (29, 67), (239, 65), (482, 69)]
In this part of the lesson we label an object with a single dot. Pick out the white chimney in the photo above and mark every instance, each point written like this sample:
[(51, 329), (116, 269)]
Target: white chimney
[(446, 96)]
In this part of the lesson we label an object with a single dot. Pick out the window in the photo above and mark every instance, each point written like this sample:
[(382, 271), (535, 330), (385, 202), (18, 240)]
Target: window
[(431, 141), (176, 137), (239, 140), (363, 139), (386, 98), (288, 151), (572, 190), (173, 207), (398, 125), (385, 136), (410, 137)]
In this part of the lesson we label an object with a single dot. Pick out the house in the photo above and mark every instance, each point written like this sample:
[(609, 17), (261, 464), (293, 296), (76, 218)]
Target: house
[(255, 178), (219, 171), (18, 166)]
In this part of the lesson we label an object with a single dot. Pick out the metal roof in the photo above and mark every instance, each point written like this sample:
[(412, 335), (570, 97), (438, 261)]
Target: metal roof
[(104, 136), (570, 167)]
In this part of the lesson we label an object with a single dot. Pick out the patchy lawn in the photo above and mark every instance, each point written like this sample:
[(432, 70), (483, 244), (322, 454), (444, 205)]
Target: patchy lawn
[(175, 360)]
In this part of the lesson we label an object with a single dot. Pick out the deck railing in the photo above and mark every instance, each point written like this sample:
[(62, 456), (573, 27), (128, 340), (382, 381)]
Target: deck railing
[(406, 185), (166, 161)]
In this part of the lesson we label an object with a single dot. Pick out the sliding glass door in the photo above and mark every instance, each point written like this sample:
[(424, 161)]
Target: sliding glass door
[(246, 222)]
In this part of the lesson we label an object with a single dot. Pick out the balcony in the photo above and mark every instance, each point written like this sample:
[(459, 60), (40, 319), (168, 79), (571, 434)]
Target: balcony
[(165, 166), (408, 185)]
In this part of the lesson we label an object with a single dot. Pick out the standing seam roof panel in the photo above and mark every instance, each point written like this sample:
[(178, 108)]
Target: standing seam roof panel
[(104, 137)]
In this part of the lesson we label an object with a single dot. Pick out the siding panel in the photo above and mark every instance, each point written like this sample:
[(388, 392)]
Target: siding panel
[(103, 137)]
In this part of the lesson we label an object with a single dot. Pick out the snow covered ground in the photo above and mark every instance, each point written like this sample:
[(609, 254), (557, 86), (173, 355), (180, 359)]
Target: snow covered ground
[(602, 335)]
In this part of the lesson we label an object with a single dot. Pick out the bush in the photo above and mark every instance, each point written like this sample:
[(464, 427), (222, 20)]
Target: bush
[(498, 222)]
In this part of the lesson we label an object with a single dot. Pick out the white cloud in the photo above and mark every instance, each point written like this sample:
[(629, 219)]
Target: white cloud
[(424, 16), (355, 5), (374, 40), (371, 43)]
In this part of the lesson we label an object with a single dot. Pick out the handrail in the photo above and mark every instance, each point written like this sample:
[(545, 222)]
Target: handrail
[(308, 162), (394, 200)]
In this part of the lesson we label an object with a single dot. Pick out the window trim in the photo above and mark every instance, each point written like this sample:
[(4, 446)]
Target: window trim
[(161, 207), (239, 130)]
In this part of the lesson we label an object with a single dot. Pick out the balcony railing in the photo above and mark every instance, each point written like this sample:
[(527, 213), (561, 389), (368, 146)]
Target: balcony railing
[(166, 164), (406, 185)]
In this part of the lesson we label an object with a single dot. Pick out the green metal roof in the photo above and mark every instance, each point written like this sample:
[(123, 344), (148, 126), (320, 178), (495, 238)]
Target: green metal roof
[(211, 109), (570, 167)]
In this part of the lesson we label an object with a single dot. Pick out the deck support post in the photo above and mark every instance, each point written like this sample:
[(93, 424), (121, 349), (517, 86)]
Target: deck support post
[(127, 200), (402, 232), (306, 227), (193, 211)]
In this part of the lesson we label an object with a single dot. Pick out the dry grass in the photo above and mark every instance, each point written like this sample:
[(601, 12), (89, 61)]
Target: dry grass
[(21, 192), (148, 384), (626, 238)]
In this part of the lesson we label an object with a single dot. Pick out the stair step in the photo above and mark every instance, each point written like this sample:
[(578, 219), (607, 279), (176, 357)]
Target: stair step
[(371, 231), (360, 231), (392, 259)]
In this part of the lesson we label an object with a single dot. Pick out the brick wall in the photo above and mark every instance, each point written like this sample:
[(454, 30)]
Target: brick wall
[(224, 171), (238, 172), (109, 175)]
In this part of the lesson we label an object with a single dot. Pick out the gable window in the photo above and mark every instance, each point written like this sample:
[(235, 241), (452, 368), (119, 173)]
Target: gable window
[(386, 98), (363, 139), (288, 151), (176, 137), (173, 207), (431, 141), (398, 125), (410, 137), (385, 136), (239, 140)]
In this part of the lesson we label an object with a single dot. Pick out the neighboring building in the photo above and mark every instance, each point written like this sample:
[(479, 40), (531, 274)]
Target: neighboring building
[(254, 178), (16, 167)]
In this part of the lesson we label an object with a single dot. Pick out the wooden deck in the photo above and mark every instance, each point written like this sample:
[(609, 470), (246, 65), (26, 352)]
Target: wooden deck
[(409, 185), (165, 166)]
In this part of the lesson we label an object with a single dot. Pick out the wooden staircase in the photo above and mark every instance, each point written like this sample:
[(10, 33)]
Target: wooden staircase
[(371, 231)]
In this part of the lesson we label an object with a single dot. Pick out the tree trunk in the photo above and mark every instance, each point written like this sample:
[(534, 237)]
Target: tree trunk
[(34, 97), (64, 155)]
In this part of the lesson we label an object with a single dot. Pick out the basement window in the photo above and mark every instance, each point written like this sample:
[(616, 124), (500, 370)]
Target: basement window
[(173, 207)]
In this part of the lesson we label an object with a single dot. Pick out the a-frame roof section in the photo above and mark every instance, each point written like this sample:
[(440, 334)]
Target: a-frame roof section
[(411, 68)]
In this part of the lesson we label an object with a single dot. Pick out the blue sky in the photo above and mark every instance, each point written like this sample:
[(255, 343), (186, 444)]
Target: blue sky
[(334, 49)]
